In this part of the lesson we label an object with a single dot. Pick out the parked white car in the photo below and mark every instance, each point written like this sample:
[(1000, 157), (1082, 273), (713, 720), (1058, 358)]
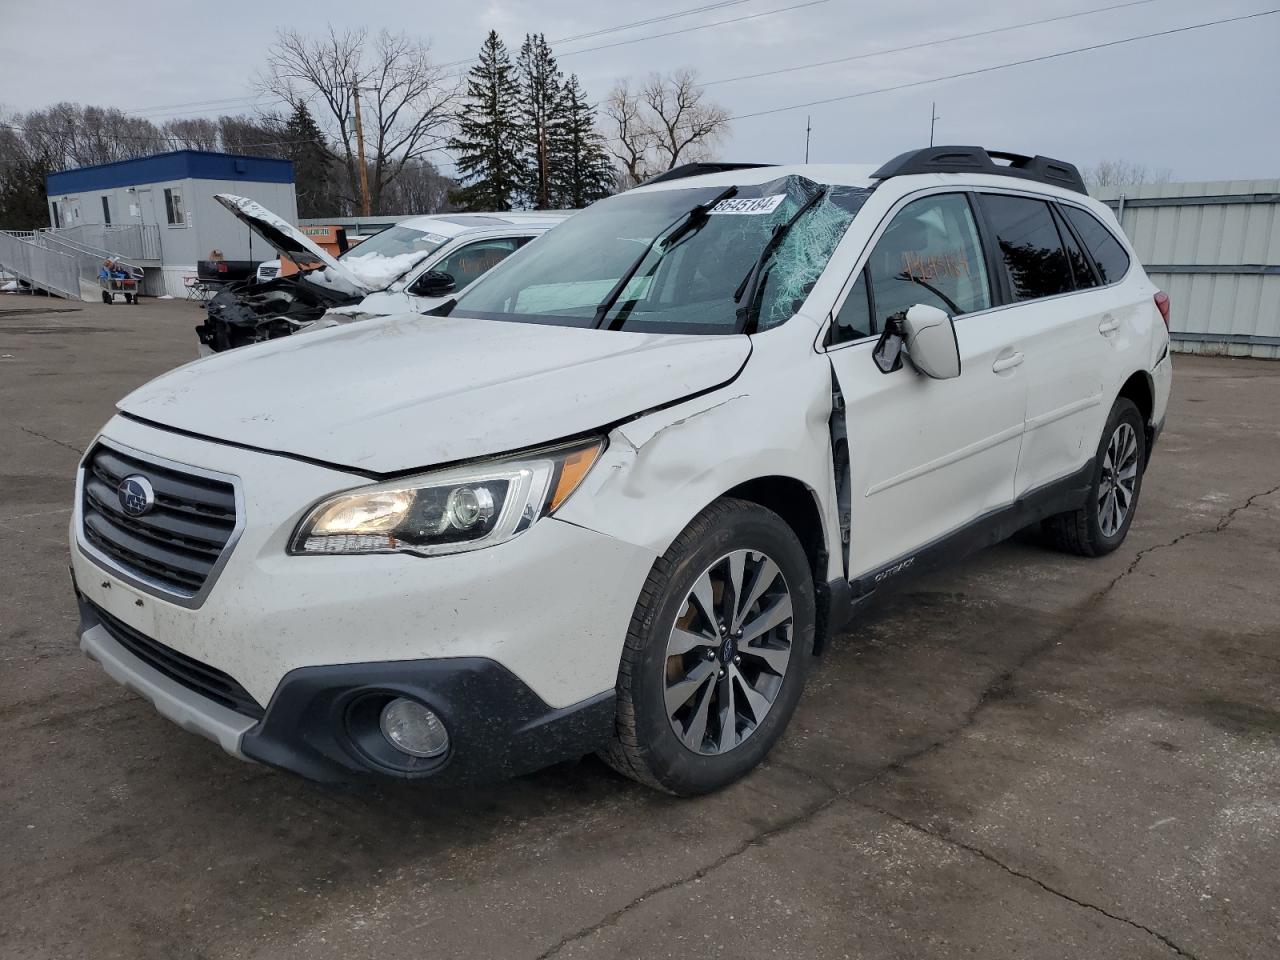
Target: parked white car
[(414, 265), (619, 493)]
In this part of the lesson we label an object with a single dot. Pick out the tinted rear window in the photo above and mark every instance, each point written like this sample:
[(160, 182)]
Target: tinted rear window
[(1029, 246), (1081, 265), (1107, 253)]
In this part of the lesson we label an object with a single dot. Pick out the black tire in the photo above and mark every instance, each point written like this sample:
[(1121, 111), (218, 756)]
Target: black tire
[(645, 745), (1081, 531), (106, 297)]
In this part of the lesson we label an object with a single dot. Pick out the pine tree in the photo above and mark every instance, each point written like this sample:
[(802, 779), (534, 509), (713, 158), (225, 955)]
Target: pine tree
[(313, 163), (581, 171), (489, 147), (541, 114)]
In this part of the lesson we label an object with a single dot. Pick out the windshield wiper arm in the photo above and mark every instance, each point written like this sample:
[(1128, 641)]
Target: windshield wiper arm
[(750, 284), (686, 222)]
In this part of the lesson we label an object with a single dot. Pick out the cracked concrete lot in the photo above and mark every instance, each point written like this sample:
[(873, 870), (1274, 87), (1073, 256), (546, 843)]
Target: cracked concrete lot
[(1029, 755)]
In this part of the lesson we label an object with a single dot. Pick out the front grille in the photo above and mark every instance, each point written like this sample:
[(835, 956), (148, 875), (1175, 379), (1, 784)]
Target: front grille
[(177, 543), (192, 674)]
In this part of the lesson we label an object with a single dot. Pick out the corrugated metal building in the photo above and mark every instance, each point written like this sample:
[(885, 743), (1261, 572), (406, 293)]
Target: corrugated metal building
[(1215, 249), (168, 198)]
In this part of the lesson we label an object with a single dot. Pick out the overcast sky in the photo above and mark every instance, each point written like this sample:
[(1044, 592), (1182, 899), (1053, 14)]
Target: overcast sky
[(1201, 103)]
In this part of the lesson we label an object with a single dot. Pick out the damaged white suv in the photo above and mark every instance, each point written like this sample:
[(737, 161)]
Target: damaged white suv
[(617, 494)]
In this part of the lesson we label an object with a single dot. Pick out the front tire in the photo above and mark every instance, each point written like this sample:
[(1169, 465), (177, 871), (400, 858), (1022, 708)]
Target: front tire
[(1102, 523), (717, 652)]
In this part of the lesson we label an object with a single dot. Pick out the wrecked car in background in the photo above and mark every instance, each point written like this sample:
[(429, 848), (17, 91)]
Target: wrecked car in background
[(412, 266)]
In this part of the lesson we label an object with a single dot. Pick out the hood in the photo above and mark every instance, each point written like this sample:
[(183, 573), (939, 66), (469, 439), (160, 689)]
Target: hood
[(409, 391), (285, 237)]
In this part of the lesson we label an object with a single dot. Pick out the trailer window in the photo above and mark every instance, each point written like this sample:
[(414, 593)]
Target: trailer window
[(173, 210)]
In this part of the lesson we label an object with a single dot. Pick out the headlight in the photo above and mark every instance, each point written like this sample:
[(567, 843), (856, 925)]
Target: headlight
[(463, 508)]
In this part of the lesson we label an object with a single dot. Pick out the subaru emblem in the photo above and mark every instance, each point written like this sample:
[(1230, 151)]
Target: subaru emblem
[(136, 494)]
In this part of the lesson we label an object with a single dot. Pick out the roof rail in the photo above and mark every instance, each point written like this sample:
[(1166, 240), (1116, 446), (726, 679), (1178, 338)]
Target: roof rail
[(698, 169), (1057, 173)]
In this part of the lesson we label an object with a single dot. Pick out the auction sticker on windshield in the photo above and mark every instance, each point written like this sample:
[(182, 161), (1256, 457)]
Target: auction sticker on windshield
[(749, 204)]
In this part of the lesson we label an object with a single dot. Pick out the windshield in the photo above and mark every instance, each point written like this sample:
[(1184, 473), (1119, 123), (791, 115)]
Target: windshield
[(395, 242), (686, 281)]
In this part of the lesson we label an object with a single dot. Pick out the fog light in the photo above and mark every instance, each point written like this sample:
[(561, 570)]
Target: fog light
[(413, 729)]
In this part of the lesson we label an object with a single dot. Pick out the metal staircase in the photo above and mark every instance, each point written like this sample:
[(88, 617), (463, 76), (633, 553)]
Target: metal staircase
[(59, 264)]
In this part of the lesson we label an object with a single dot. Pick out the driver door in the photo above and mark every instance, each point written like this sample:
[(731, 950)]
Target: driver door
[(926, 458)]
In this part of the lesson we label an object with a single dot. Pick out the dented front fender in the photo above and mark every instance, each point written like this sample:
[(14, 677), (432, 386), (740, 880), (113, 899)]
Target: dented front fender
[(661, 469)]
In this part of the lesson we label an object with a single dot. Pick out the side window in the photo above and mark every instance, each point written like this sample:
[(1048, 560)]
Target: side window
[(1029, 246), (1107, 253), (929, 254), (173, 211), (106, 211), (1081, 266), (853, 321), (476, 259)]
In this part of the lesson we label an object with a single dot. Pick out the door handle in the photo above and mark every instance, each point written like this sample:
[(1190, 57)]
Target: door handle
[(1108, 325), (1008, 362)]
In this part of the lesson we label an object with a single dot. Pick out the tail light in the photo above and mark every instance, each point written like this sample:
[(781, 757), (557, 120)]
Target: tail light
[(1162, 304)]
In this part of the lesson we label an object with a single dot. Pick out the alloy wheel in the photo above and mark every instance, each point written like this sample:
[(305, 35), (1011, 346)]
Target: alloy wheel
[(728, 652), (1119, 479)]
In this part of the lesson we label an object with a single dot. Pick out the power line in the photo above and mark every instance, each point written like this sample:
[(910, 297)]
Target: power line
[(848, 96), (701, 26), (675, 15), (1003, 66), (158, 108), (927, 43), (644, 23)]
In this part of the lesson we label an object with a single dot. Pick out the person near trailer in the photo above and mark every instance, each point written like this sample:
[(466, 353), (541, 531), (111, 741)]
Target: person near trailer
[(111, 271)]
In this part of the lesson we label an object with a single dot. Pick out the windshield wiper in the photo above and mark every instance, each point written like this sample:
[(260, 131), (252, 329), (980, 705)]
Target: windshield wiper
[(686, 222), (750, 284)]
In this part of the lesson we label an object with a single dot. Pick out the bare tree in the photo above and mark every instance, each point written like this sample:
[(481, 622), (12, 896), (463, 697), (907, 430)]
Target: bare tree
[(192, 133), (1122, 173), (421, 188), (666, 122), (685, 124), (408, 100), (629, 137)]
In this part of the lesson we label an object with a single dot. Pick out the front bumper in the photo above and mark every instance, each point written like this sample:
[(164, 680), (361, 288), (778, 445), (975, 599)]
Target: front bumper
[(498, 728), (518, 643)]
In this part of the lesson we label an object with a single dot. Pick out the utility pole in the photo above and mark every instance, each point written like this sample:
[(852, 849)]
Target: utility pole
[(933, 118), (807, 127), (365, 207)]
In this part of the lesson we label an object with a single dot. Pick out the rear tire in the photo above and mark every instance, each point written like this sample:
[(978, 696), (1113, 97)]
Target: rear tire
[(1102, 523), (704, 694)]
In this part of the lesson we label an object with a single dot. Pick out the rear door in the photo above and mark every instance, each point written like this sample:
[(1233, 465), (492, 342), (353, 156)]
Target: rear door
[(1058, 333), (925, 457)]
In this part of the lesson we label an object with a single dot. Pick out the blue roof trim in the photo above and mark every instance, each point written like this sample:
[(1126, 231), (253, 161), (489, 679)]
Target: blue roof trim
[(178, 165)]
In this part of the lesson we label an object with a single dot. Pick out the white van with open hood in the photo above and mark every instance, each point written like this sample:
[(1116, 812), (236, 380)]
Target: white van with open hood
[(412, 266)]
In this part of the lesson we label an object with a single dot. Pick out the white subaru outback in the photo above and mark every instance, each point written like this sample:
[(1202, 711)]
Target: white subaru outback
[(617, 494)]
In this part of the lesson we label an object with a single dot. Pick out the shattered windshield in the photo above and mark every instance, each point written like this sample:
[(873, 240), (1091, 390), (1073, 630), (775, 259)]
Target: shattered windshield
[(687, 280)]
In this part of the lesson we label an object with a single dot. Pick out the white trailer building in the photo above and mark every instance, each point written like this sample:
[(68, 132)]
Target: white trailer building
[(158, 212)]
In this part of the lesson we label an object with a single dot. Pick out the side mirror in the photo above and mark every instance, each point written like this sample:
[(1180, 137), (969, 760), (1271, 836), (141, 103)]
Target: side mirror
[(927, 336), (434, 283), (930, 340)]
